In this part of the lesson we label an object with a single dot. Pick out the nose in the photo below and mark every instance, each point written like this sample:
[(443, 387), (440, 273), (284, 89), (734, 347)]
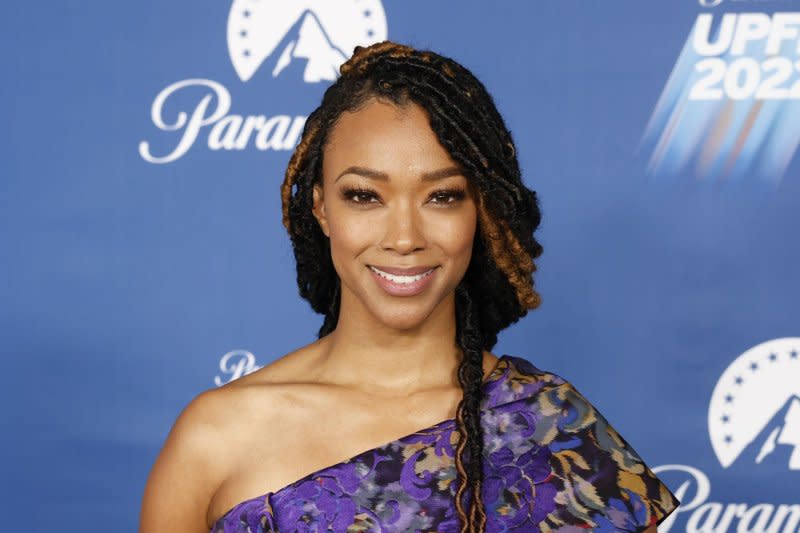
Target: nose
[(403, 232)]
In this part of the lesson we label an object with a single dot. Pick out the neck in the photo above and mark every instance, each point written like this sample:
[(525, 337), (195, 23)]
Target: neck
[(363, 349)]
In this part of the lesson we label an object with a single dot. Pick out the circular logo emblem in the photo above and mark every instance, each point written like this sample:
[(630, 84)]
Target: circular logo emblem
[(320, 34), (754, 413)]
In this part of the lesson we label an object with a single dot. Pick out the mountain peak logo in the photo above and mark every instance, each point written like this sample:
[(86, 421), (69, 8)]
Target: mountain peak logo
[(754, 413), (323, 33), (312, 37)]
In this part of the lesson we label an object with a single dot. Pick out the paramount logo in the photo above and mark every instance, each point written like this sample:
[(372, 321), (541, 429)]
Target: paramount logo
[(704, 516), (225, 131), (285, 38)]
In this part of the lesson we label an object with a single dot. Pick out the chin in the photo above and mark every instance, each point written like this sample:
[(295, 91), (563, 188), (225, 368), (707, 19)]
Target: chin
[(403, 319)]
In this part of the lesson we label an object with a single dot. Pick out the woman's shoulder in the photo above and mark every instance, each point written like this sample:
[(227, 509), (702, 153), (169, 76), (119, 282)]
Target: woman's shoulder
[(561, 409), (518, 379), (260, 397), (591, 462), (521, 370), (214, 415), (203, 448), (523, 376), (220, 426)]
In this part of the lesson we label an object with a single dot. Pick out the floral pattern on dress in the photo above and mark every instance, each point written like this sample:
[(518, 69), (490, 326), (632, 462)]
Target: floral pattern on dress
[(552, 463)]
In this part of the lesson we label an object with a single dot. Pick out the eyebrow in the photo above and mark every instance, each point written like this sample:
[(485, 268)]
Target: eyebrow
[(382, 176)]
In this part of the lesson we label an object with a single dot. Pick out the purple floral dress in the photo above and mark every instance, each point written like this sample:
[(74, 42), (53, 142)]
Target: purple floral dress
[(552, 463)]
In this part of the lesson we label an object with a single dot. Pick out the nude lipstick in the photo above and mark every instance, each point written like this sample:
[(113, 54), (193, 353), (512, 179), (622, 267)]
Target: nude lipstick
[(402, 281)]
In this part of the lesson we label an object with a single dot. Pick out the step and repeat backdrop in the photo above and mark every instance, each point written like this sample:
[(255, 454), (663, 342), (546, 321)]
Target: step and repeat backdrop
[(144, 261)]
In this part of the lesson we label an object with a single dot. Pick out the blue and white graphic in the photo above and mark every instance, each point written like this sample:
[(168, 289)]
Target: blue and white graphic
[(305, 41), (321, 33), (754, 413), (731, 107)]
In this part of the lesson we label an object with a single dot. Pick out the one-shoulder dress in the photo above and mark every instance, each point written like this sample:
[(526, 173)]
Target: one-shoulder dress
[(552, 463)]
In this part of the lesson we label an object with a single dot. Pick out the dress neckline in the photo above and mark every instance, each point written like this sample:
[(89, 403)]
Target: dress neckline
[(500, 371)]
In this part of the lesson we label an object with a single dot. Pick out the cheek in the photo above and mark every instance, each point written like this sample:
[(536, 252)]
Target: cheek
[(350, 234), (455, 234)]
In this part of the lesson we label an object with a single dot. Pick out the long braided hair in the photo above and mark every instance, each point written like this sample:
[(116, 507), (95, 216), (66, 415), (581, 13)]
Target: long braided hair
[(497, 288)]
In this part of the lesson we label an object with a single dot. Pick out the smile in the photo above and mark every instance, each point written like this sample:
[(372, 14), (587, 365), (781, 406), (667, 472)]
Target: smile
[(402, 285), (401, 279)]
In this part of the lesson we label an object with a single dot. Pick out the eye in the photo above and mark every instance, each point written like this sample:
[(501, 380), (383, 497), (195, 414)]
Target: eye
[(359, 195), (448, 196), (365, 196)]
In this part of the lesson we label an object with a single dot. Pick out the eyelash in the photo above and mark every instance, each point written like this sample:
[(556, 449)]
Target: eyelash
[(350, 193)]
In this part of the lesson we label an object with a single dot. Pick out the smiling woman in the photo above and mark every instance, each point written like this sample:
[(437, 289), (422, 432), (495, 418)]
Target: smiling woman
[(413, 236), (401, 223)]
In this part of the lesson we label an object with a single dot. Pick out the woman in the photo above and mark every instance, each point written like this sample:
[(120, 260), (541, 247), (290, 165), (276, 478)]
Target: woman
[(413, 235)]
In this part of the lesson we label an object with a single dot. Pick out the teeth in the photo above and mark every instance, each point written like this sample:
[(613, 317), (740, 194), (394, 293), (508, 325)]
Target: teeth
[(400, 279)]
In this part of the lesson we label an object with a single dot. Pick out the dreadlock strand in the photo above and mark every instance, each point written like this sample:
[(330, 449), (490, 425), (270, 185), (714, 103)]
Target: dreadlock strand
[(462, 473), (294, 168), (362, 56), (471, 379), (510, 258)]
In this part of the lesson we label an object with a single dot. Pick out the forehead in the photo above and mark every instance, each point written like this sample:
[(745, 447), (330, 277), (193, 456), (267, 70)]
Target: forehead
[(386, 137)]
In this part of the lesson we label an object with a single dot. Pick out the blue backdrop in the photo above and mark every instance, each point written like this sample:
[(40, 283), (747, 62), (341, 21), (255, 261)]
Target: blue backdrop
[(143, 258)]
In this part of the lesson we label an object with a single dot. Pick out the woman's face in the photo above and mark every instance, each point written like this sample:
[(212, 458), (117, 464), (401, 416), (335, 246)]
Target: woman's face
[(392, 199)]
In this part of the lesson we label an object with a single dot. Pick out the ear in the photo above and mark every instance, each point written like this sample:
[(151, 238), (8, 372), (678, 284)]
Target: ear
[(319, 209)]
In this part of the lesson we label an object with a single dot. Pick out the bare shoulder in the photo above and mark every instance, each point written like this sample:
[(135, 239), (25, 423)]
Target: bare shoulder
[(201, 448), (187, 467)]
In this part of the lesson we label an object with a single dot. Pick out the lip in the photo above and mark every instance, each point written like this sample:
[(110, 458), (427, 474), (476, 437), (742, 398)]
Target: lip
[(407, 271), (404, 289)]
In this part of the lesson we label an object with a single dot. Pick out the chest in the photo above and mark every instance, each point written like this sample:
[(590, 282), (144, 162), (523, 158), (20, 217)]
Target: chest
[(407, 484), (268, 452)]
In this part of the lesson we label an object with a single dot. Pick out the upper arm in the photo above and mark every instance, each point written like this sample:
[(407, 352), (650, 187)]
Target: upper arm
[(186, 471)]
